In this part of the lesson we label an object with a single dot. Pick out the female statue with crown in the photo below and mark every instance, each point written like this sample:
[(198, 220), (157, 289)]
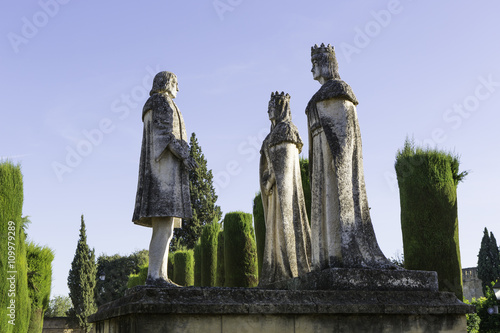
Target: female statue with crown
[(288, 240), (341, 228)]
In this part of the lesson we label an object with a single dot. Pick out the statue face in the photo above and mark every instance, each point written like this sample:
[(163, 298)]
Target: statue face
[(272, 112), (173, 88), (316, 70)]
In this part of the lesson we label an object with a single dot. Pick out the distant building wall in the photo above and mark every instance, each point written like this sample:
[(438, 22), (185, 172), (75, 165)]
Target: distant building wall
[(60, 325), (472, 284)]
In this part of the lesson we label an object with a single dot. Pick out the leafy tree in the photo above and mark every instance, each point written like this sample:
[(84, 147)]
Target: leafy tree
[(488, 269), (39, 282), (488, 323), (58, 306), (82, 282), (113, 274), (203, 200), (428, 182), (13, 251)]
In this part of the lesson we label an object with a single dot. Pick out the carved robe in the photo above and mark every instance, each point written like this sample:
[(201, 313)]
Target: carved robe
[(287, 246), (341, 228), (163, 187)]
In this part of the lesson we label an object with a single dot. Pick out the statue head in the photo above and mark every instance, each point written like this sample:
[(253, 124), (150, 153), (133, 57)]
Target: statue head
[(279, 107), (165, 82), (325, 66)]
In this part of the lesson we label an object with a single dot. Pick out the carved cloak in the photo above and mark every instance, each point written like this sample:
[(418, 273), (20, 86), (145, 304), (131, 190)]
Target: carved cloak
[(341, 227), (288, 240), (163, 186)]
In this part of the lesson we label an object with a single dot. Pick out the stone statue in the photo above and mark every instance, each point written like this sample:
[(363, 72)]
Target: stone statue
[(163, 189), (288, 239), (341, 228)]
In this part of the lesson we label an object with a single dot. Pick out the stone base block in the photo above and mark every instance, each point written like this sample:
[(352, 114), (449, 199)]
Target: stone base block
[(147, 310), (361, 279)]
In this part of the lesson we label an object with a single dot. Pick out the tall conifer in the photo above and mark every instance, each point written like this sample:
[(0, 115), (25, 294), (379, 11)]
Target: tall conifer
[(82, 281), (203, 200)]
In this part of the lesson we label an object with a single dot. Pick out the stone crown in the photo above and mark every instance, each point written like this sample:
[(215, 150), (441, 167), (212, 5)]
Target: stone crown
[(322, 49), (279, 97)]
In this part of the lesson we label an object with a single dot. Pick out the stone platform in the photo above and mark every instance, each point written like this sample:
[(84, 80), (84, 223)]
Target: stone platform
[(193, 309)]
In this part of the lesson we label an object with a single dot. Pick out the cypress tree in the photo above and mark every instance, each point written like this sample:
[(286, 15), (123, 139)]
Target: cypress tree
[(487, 263), (82, 281), (39, 282), (203, 200), (13, 252), (197, 264), (306, 185), (428, 182), (495, 256), (260, 228), (184, 267), (209, 254), (240, 252), (220, 260)]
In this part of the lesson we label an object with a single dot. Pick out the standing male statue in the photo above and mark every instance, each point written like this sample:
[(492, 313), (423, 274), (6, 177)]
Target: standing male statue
[(163, 189), (341, 229)]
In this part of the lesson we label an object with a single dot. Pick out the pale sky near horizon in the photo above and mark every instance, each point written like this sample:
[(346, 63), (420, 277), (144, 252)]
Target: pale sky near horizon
[(76, 74)]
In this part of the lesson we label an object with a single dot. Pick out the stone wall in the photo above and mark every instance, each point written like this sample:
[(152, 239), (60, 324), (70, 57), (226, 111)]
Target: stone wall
[(471, 283), (60, 325)]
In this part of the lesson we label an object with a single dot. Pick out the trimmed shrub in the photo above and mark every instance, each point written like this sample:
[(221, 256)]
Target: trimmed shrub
[(170, 266), (197, 264), (184, 268), (12, 239), (260, 228), (428, 182), (209, 254), (240, 253), (39, 282), (220, 260), (138, 279)]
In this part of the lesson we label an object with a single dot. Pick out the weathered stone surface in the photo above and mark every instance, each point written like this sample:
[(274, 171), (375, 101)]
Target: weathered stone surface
[(147, 309), (162, 198), (341, 229), (361, 279), (287, 248)]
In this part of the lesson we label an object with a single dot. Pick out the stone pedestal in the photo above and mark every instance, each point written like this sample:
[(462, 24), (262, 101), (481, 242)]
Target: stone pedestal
[(424, 309)]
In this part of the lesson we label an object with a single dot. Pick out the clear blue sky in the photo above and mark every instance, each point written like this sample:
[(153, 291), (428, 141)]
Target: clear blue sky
[(75, 74)]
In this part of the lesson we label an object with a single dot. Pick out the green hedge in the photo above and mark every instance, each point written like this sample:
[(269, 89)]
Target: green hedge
[(184, 267), (220, 260), (39, 282), (240, 253), (170, 265), (428, 182), (11, 205), (209, 254)]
